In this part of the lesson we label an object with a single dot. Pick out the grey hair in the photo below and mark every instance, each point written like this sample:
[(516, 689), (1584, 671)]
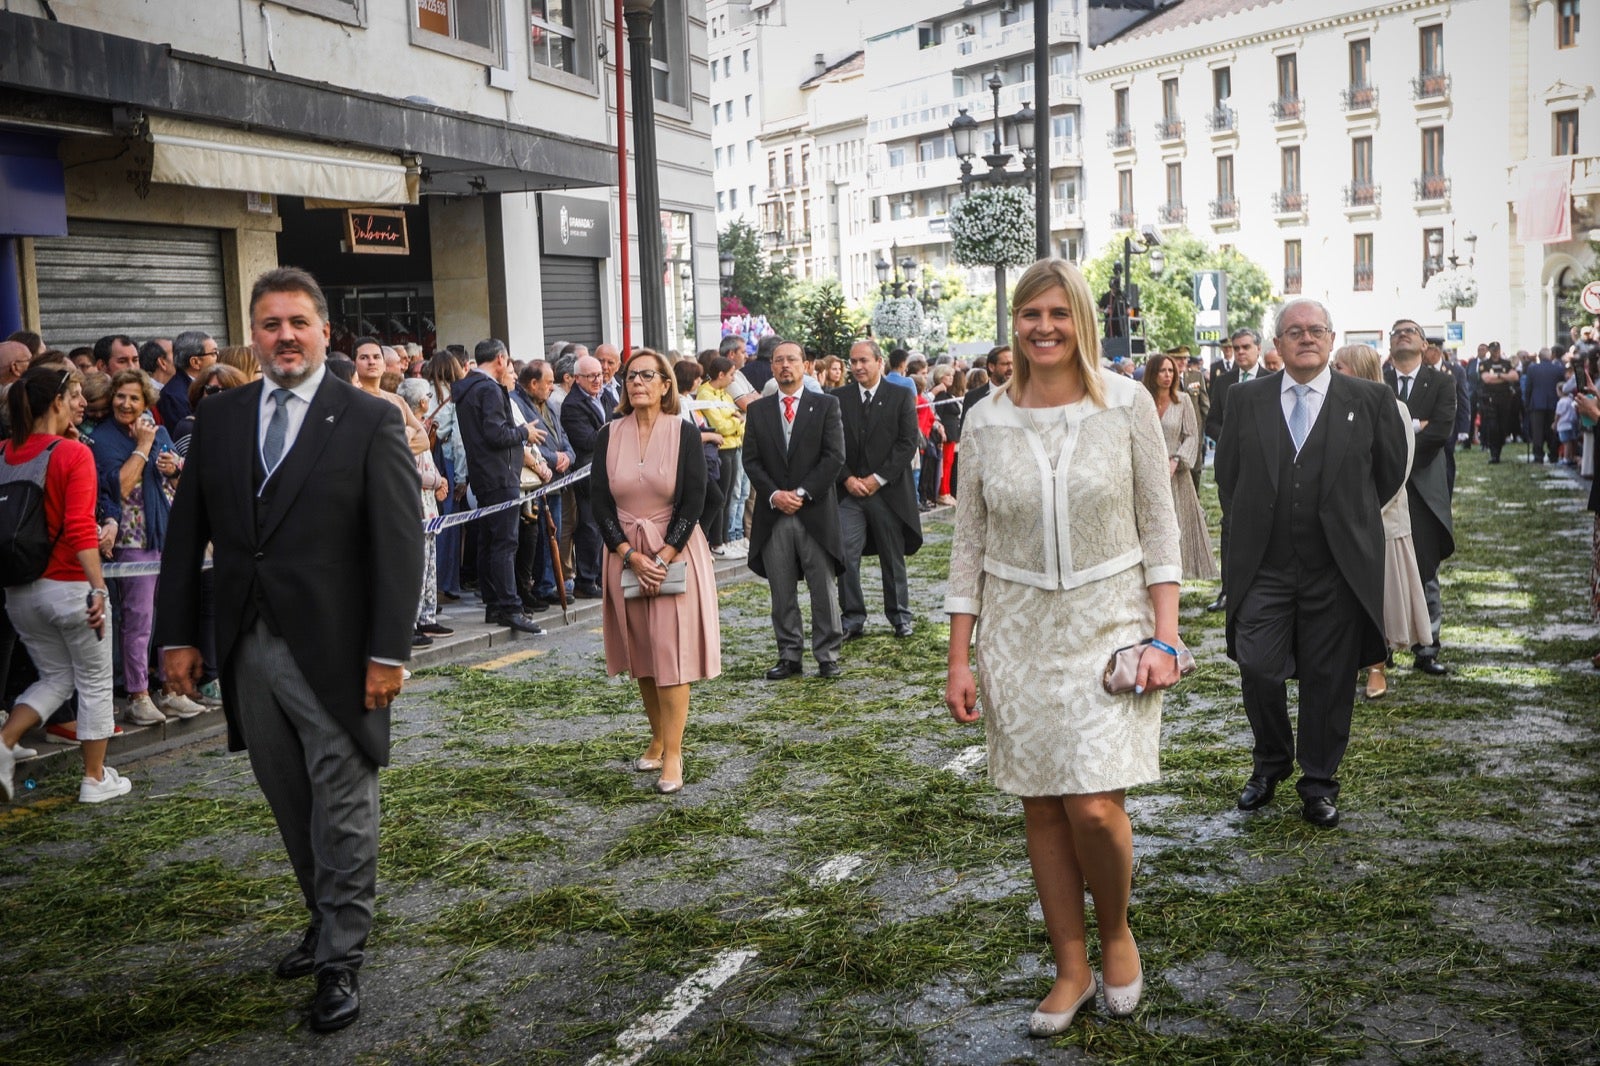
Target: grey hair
[(187, 345), (870, 343), (414, 390), (1277, 319), (487, 351), (564, 367), (1246, 331)]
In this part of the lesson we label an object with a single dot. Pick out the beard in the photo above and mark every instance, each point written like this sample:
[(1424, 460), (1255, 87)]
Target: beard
[(287, 379)]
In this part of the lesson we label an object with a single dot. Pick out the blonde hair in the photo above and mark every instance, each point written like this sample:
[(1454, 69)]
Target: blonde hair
[(1361, 360), (1037, 280), (669, 402)]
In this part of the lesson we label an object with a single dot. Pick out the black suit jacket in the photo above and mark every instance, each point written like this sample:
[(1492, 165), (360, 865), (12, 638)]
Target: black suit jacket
[(882, 442), (1363, 467), (811, 461), (493, 441), (348, 484), (1219, 398), (973, 396), (582, 423), (1432, 400)]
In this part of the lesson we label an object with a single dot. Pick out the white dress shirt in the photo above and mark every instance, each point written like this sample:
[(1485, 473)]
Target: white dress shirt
[(1314, 396), (297, 406)]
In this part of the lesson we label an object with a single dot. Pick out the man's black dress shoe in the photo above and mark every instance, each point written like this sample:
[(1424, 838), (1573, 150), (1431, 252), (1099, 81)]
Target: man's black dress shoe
[(419, 639), (587, 592), (519, 622), (903, 630), (338, 1000), (1431, 666), (830, 669), (534, 604), (1320, 812), (302, 961), (785, 668), (855, 632), (1218, 604), (1258, 792)]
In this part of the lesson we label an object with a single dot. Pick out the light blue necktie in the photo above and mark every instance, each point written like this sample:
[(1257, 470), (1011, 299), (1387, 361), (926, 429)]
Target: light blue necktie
[(1299, 416), (277, 430)]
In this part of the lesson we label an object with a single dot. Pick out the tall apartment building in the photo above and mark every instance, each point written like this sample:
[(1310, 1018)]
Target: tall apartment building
[(1354, 148), (926, 60), (155, 158)]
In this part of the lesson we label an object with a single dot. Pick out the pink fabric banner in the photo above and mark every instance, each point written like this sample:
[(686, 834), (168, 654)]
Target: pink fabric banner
[(1544, 208)]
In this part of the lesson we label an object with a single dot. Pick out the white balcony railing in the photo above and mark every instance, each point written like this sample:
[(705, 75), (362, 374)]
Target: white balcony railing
[(1063, 24), (1063, 149), (1064, 214)]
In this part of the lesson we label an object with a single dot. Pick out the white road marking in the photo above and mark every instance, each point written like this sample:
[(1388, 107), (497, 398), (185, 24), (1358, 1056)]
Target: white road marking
[(967, 761), (636, 1041)]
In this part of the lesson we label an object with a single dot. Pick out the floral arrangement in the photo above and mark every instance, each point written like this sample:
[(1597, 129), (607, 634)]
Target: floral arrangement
[(751, 327), (732, 308), (994, 226), (1452, 289), (935, 338), (897, 318)]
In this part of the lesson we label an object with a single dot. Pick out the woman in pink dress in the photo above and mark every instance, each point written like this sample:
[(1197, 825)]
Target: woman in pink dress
[(648, 486)]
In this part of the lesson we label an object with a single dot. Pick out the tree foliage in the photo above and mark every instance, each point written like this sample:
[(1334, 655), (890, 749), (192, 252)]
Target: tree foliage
[(826, 322), (758, 284), (1575, 310), (1167, 302)]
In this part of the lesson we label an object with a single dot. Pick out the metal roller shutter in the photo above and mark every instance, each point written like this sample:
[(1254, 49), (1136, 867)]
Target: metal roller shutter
[(570, 293), (126, 277)]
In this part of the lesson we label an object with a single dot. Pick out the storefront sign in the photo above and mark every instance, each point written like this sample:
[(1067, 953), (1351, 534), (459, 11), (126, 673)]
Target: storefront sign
[(373, 231), (574, 226), (434, 16)]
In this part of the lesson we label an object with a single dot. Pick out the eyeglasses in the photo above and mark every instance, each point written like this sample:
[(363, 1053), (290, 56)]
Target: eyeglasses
[(1401, 331), (642, 375), (1316, 333), (211, 390), (596, 376)]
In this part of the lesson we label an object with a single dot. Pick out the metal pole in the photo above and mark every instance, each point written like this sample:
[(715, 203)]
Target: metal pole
[(647, 197), (622, 184), (1041, 128), (1000, 316)]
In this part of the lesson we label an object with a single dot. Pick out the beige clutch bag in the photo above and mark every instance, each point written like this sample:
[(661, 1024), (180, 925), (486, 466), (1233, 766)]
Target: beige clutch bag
[(1123, 669), (676, 583)]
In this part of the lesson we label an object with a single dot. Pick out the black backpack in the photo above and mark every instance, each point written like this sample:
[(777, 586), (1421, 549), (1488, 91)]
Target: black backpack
[(25, 540)]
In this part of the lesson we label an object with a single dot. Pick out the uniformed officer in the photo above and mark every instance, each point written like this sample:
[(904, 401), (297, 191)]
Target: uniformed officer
[(1497, 398)]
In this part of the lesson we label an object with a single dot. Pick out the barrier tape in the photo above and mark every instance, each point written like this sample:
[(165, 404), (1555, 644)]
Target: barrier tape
[(432, 525)]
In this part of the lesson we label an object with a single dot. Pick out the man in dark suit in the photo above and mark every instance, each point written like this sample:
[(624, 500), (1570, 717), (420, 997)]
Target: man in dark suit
[(535, 383), (878, 502), (193, 352), (1222, 364), (583, 412), (1246, 346), (1305, 462), (611, 382), (494, 445), (793, 452), (1430, 395), (1544, 379), (997, 364), (293, 482), (1435, 356)]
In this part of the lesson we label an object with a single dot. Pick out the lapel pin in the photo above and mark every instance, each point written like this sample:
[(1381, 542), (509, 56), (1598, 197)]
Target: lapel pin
[(1351, 417), (328, 419)]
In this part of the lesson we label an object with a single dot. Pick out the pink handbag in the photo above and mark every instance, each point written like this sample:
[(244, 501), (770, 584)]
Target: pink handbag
[(1123, 669)]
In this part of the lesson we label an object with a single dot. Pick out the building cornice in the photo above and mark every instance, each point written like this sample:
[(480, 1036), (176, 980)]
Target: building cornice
[(1234, 44)]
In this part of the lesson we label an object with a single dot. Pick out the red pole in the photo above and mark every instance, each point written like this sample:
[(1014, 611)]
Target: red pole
[(619, 51)]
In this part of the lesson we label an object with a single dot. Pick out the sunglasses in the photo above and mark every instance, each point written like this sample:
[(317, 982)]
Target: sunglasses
[(211, 390)]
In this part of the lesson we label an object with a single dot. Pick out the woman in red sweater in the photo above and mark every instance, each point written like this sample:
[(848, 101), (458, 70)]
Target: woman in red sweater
[(62, 617)]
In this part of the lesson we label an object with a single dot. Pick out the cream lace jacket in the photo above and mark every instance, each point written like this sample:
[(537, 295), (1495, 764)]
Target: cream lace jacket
[(1101, 505)]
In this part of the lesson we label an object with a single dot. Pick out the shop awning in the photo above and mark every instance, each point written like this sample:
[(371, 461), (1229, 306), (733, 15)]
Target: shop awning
[(214, 157)]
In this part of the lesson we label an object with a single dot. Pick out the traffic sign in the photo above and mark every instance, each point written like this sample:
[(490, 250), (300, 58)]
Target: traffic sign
[(1590, 298), (1454, 334)]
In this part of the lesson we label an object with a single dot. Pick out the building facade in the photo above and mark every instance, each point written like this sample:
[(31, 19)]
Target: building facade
[(470, 144), (1355, 150)]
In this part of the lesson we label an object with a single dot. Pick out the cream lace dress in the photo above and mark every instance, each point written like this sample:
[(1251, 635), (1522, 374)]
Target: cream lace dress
[(1182, 432), (1051, 728)]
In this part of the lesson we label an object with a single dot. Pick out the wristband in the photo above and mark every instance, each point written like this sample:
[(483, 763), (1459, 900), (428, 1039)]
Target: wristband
[(660, 561), (143, 455), (102, 593), (1162, 646), (628, 555)]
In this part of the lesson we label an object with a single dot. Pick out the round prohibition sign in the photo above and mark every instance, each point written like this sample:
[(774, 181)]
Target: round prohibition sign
[(1590, 298)]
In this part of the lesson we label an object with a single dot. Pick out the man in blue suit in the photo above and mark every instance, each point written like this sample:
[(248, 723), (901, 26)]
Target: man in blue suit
[(1542, 382)]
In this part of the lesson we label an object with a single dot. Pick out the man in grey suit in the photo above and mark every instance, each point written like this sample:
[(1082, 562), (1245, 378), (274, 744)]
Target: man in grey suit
[(793, 452), (291, 481)]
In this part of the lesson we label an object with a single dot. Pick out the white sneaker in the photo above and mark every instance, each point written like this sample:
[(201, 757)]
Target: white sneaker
[(177, 705), (720, 553), (8, 762), (110, 786), (737, 549), (141, 711), (19, 753)]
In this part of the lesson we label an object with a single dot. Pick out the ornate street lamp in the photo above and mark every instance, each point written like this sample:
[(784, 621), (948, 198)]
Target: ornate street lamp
[(1123, 309), (965, 131), (725, 266), (1436, 252)]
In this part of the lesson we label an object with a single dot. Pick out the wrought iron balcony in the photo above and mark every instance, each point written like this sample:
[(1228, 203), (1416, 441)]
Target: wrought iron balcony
[(1431, 85), (1225, 207), (1124, 220), (1169, 129), (1171, 214), (1221, 118), (1120, 136), (1359, 98), (1289, 201), (1431, 187), (1363, 194), (1287, 109), (1291, 282)]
